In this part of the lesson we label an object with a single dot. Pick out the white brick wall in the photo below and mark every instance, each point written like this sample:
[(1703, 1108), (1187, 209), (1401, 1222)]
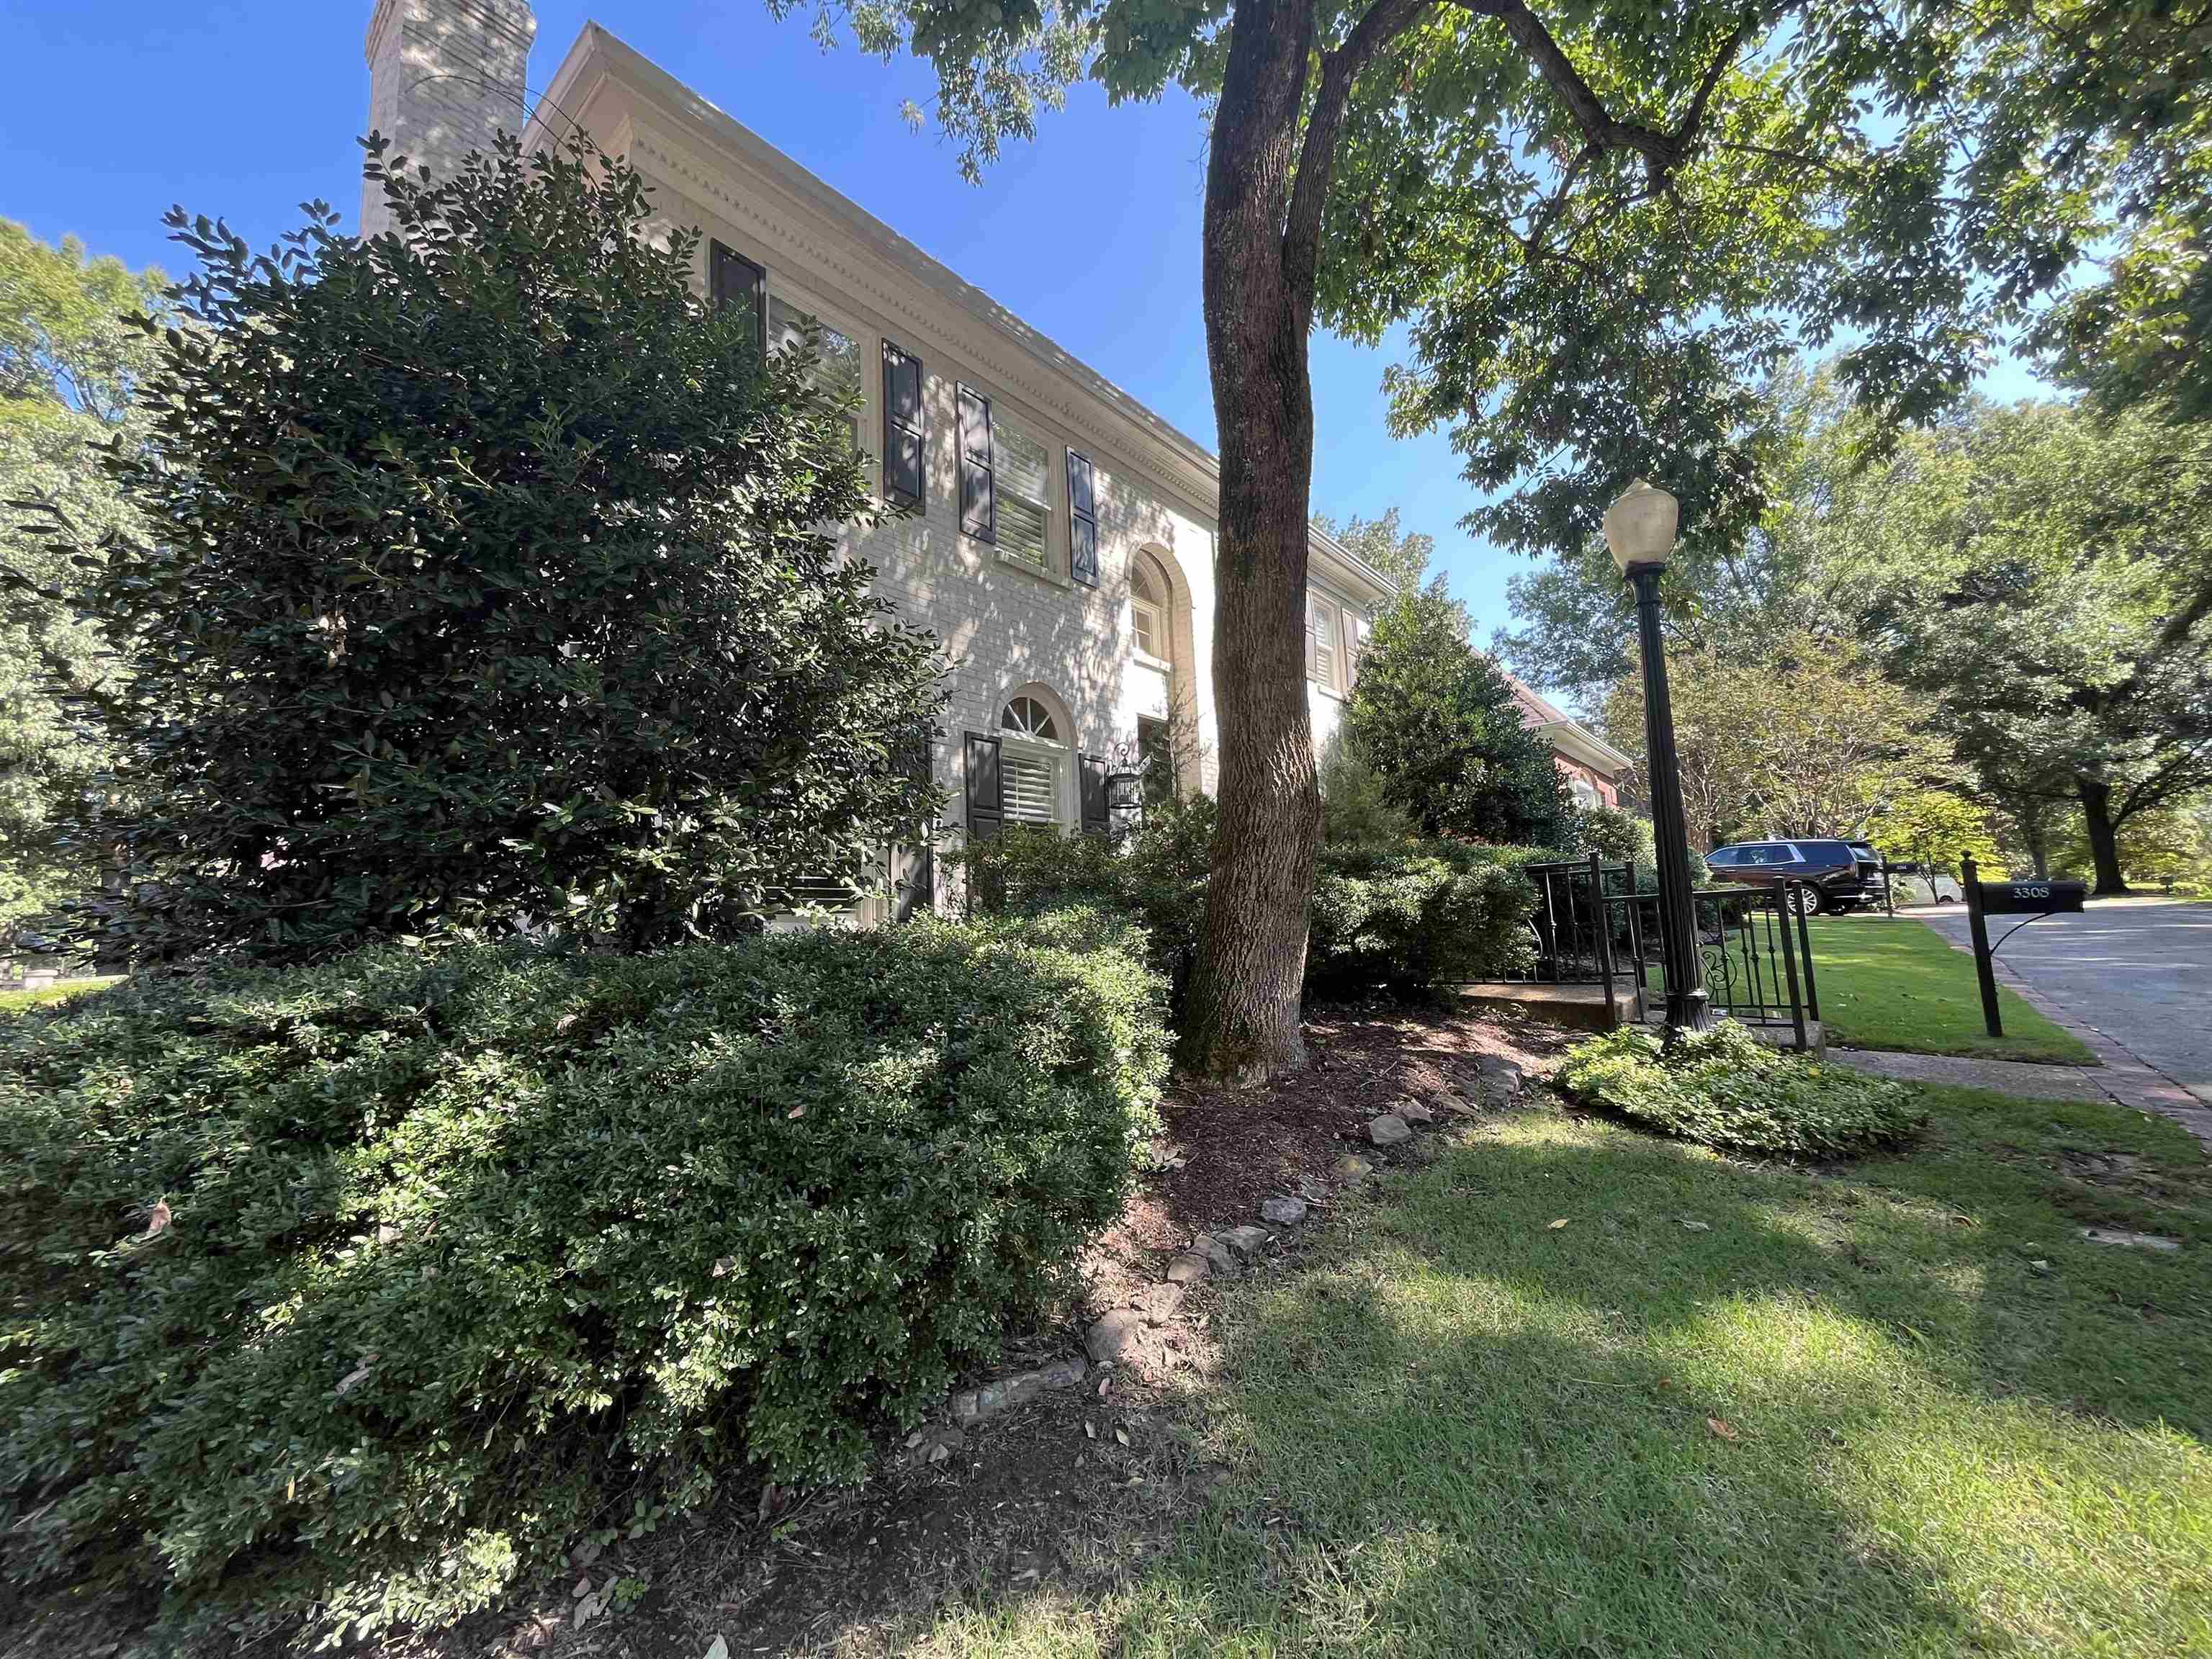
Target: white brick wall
[(447, 73)]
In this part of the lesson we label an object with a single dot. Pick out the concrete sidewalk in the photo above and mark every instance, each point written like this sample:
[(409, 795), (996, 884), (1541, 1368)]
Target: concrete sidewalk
[(2122, 1076)]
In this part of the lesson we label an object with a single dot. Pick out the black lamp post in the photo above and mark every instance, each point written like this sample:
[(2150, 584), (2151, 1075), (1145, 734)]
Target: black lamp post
[(1639, 530)]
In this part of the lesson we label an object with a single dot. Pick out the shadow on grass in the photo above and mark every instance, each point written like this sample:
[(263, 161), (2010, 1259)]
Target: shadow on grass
[(1723, 1409)]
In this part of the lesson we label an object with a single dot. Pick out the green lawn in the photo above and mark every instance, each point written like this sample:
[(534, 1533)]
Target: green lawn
[(12, 1001), (1725, 1409), (1889, 983)]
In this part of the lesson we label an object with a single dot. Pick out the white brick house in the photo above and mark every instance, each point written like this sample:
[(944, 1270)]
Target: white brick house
[(1062, 542), (1061, 539)]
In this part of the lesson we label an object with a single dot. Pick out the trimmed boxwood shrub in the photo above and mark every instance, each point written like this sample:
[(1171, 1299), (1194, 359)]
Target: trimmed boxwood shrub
[(338, 1297), (1412, 917), (1725, 1088), (1405, 914)]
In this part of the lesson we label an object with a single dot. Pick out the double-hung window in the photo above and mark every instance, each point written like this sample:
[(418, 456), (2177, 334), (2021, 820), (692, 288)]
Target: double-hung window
[(839, 368), (1148, 607), (1024, 481), (1006, 483)]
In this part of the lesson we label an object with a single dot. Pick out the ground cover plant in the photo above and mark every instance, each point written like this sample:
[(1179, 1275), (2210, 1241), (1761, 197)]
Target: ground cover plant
[(343, 1296), (1725, 1088), (1899, 984), (1576, 1389)]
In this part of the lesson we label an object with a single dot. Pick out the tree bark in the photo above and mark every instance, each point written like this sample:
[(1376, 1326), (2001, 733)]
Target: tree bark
[(1243, 1013), (2096, 796)]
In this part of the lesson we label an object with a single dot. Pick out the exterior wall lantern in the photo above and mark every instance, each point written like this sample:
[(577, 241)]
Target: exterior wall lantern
[(1125, 796), (1639, 531)]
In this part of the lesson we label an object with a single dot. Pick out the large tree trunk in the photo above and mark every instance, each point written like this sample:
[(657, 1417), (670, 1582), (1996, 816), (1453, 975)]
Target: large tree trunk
[(1242, 1022), (2104, 835)]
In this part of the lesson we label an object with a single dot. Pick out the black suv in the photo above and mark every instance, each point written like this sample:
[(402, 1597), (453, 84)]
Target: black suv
[(1833, 875)]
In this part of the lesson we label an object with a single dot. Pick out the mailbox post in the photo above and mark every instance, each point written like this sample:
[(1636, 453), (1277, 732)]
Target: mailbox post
[(2032, 899)]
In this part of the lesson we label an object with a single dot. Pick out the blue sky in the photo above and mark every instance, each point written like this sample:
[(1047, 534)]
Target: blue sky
[(245, 108)]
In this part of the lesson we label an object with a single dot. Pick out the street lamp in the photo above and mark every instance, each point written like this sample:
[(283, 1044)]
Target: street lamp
[(1639, 530)]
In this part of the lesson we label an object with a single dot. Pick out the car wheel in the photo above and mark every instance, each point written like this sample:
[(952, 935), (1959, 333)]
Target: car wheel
[(1945, 898)]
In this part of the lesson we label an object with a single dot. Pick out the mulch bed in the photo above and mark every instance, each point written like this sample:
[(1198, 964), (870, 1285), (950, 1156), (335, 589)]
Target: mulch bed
[(1072, 1490)]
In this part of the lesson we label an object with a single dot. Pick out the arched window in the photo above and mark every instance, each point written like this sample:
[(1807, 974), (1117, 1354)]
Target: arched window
[(1148, 605), (1025, 717), (1032, 763)]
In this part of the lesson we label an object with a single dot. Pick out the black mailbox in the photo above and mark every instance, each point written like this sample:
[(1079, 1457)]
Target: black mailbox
[(2032, 898)]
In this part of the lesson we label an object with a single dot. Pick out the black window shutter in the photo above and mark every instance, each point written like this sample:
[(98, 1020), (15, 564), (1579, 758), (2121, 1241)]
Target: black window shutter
[(1082, 521), (979, 505), (734, 280), (986, 812), (906, 429), (1094, 816)]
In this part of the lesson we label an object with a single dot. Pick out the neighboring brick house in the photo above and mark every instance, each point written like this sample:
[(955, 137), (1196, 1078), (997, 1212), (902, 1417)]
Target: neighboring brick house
[(1592, 766), (1060, 536)]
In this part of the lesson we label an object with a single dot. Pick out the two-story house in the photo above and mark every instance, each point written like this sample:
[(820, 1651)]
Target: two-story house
[(1056, 534)]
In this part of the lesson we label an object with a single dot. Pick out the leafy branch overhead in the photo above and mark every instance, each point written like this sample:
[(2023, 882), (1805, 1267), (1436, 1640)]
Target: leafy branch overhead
[(1604, 223)]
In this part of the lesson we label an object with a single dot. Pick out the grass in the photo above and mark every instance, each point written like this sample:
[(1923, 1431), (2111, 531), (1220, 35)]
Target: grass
[(1898, 1408), (1897, 984), (11, 1001)]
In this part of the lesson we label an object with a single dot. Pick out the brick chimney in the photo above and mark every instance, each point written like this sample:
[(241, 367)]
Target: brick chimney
[(444, 77)]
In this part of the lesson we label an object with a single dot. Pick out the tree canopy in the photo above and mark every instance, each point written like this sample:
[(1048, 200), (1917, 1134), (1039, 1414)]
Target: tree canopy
[(1601, 223), (69, 364), (1437, 721), (490, 580), (2043, 578), (1403, 556)]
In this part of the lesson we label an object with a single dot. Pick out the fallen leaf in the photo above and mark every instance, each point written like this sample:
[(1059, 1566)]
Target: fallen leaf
[(1555, 1226), (1121, 1436), (1721, 1427), (796, 1112), (718, 1649), (1090, 1430), (158, 1222)]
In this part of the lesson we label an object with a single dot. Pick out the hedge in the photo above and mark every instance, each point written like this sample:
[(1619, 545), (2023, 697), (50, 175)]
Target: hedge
[(342, 1295), (1405, 914)]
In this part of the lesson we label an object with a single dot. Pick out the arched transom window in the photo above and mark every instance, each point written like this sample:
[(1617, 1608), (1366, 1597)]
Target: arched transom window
[(1148, 606), (1033, 763), (1025, 717)]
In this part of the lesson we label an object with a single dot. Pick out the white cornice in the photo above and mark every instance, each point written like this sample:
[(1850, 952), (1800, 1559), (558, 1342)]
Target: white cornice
[(1578, 742), (704, 153)]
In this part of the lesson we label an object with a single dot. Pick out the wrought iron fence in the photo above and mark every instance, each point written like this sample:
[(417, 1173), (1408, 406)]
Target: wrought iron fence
[(1592, 927), (1753, 945)]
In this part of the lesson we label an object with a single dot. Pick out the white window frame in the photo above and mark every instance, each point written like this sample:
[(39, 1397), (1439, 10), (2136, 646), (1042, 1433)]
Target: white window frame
[(867, 344), (1016, 746), (1054, 559), (1162, 612)]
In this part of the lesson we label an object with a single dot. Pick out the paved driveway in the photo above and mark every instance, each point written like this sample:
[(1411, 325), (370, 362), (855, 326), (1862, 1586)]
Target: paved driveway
[(2140, 971)]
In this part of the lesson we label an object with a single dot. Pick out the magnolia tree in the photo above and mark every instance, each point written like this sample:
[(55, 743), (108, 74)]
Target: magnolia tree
[(485, 582), (1601, 221)]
